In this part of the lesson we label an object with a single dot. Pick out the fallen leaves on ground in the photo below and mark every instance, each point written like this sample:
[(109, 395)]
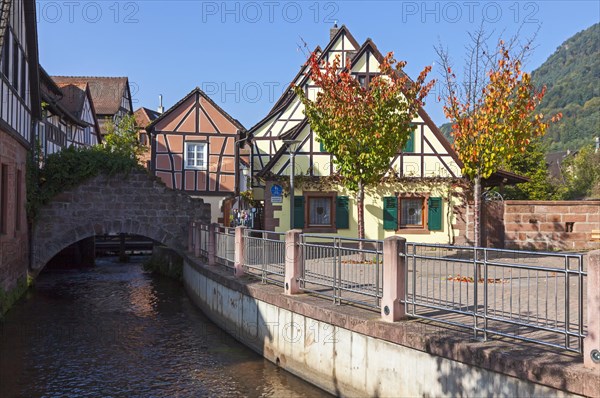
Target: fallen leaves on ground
[(470, 279)]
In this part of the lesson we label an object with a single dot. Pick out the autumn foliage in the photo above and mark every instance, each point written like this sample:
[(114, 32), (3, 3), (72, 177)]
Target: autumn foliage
[(501, 122), (362, 126)]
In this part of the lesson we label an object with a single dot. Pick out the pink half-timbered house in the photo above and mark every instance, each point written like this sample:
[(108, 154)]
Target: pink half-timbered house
[(197, 147)]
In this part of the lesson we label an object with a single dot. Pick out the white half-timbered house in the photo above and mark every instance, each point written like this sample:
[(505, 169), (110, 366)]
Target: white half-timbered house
[(418, 201), (19, 115), (111, 96), (68, 116)]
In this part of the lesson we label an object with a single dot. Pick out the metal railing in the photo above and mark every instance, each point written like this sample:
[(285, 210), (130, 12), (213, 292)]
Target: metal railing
[(203, 231), (225, 246), (531, 296), (264, 254), (344, 269)]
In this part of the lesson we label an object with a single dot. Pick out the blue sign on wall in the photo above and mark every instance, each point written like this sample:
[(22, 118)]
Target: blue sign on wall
[(276, 190), (276, 194)]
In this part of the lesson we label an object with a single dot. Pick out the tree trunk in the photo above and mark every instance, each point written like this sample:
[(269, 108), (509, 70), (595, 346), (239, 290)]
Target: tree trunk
[(477, 212), (361, 219), (361, 210), (477, 222)]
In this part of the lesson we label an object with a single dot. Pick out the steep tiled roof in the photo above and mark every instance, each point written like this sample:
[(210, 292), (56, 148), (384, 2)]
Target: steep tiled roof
[(144, 116), (107, 92), (73, 97), (235, 122)]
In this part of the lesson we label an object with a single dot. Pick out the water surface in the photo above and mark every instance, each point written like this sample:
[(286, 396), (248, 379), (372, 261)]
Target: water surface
[(116, 330)]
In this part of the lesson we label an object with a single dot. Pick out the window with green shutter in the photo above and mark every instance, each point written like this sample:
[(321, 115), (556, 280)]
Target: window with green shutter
[(390, 213), (409, 147), (298, 212), (342, 214), (434, 215)]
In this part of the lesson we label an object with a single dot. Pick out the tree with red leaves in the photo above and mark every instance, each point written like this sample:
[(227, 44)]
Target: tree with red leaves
[(363, 127)]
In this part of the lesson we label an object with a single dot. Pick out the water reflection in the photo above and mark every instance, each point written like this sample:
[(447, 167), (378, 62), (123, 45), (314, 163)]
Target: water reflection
[(117, 331)]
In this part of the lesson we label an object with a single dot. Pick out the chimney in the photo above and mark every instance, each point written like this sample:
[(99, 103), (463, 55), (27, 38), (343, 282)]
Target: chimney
[(333, 31), (597, 144), (160, 105)]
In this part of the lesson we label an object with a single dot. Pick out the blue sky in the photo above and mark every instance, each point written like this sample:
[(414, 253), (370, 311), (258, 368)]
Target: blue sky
[(244, 53)]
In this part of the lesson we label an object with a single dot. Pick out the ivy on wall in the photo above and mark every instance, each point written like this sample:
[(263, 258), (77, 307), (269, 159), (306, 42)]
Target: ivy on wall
[(68, 168)]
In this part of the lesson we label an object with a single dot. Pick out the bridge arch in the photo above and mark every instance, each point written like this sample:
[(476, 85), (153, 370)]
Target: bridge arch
[(134, 203)]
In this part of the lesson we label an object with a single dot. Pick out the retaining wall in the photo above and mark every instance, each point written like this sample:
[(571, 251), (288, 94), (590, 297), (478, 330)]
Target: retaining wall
[(350, 351)]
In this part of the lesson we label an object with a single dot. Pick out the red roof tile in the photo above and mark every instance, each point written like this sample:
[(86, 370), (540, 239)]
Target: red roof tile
[(144, 116), (107, 92)]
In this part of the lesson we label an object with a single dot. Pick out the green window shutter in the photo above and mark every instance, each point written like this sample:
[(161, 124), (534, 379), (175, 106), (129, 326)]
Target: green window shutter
[(342, 216), (390, 213), (321, 147), (410, 144), (434, 215), (298, 212)]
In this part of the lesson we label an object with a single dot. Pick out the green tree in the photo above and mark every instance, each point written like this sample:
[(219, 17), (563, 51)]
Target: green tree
[(571, 75), (532, 164), (582, 174), (363, 127), (122, 137)]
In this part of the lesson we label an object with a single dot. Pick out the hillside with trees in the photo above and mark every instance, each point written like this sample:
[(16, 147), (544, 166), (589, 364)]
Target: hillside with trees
[(572, 78)]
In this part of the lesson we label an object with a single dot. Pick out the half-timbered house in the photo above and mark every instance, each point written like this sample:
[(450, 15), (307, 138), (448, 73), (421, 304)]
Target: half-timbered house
[(19, 115), (419, 199), (111, 96), (196, 148), (77, 99), (69, 118), (143, 118)]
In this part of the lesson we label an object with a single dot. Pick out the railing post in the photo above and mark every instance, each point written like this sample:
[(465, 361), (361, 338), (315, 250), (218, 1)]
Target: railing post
[(293, 261), (197, 239), (212, 244), (239, 254), (591, 343), (191, 231), (394, 279)]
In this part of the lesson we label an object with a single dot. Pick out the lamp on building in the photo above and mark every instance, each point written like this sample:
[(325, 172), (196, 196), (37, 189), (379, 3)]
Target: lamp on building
[(292, 146)]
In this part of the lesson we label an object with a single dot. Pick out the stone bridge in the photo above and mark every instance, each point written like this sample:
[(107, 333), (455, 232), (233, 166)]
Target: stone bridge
[(135, 203)]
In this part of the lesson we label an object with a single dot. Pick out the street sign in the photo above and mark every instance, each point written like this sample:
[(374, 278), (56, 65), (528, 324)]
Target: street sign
[(276, 194)]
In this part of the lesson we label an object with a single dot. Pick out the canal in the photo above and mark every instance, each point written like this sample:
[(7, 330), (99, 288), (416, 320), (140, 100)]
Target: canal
[(115, 330)]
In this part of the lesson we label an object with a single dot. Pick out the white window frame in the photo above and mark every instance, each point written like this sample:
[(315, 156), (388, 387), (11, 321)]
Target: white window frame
[(204, 150)]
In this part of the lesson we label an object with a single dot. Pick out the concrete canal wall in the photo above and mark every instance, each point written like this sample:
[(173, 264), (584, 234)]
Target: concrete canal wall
[(349, 351)]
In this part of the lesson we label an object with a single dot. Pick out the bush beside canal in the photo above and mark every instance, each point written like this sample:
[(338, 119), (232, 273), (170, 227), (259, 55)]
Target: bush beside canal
[(165, 261)]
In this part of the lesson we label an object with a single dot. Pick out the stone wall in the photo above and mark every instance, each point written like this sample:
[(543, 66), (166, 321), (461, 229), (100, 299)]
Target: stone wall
[(551, 225), (14, 242), (135, 204)]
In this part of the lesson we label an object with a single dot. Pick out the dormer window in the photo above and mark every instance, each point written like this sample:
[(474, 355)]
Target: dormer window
[(364, 79)]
